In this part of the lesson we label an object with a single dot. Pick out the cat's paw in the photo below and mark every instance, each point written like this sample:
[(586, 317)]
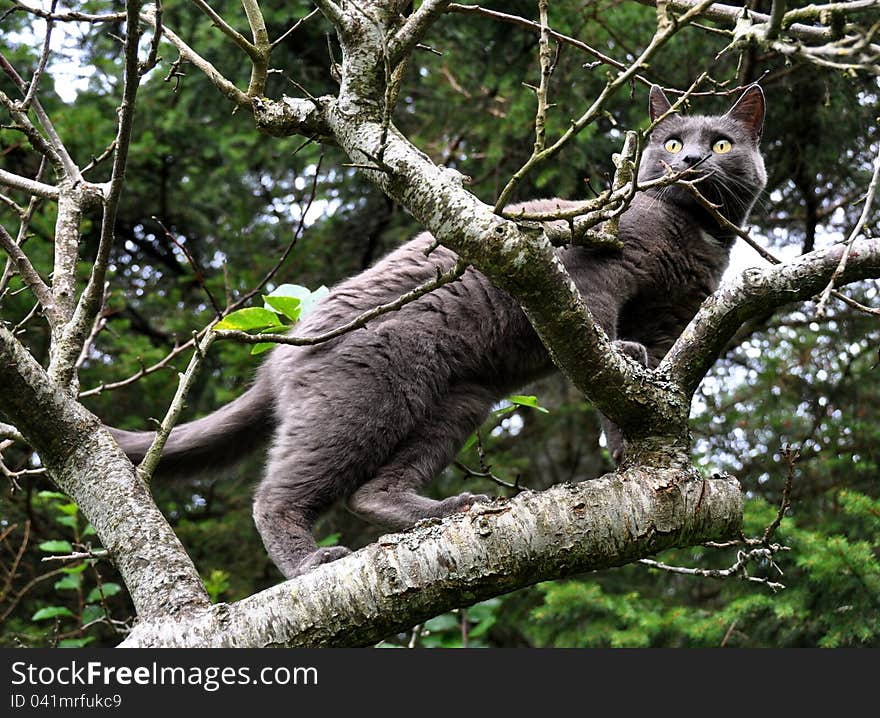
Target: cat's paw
[(321, 556), (461, 503)]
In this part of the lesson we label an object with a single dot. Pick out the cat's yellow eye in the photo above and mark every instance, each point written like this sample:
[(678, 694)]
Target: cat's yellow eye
[(722, 147), (673, 145)]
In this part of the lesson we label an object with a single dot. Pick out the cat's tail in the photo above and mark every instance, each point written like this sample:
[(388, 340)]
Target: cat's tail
[(214, 441)]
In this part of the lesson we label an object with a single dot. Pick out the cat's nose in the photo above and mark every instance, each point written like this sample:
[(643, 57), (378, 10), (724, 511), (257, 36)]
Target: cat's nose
[(691, 160)]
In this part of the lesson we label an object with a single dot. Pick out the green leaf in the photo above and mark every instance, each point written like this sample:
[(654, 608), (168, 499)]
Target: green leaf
[(443, 622), (68, 583), (472, 439), (526, 400), (308, 299), (75, 642), (69, 521), (482, 627), (261, 347), (330, 540), (52, 495), (290, 307), (70, 508), (56, 547), (92, 612), (249, 319), (89, 530), (78, 568), (50, 612), (110, 589)]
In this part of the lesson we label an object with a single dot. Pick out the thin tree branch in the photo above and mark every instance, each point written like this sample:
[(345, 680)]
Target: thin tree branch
[(227, 88), (64, 368), (57, 152), (227, 29), (856, 231), (414, 29), (33, 187), (69, 15), (28, 274), (41, 65), (743, 558), (756, 291), (154, 453), (294, 27)]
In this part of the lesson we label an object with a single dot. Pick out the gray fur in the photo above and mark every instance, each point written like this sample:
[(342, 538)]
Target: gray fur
[(374, 415)]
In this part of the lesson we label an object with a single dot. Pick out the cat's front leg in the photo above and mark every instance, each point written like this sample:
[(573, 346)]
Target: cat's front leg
[(613, 436)]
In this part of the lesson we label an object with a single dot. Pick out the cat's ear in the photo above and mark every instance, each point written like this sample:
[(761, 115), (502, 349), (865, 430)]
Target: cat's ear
[(749, 110), (657, 103)]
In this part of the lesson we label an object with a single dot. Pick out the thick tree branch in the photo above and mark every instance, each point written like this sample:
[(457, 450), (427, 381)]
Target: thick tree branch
[(405, 578), (756, 291), (87, 464)]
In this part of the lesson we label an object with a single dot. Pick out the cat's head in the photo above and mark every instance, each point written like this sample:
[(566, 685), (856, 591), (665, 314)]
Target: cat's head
[(722, 148)]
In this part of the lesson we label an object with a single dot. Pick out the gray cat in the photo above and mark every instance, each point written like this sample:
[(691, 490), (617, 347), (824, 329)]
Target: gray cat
[(372, 416)]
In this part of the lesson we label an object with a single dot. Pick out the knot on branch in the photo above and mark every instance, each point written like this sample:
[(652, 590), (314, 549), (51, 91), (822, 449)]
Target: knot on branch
[(290, 116)]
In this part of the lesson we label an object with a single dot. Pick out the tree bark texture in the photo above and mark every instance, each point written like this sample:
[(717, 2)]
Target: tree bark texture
[(408, 577)]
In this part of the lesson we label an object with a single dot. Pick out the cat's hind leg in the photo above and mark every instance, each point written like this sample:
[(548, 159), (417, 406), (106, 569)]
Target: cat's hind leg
[(391, 497), (284, 516)]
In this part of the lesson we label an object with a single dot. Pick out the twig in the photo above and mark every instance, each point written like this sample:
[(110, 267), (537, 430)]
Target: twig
[(226, 87), (23, 591), (297, 234), (860, 224), (737, 569), (665, 31), (98, 553), (200, 277), (414, 28), (153, 55), (358, 322), (51, 145), (178, 350), (544, 60), (791, 457), (536, 27), (289, 32), (17, 560), (154, 453), (97, 327), (226, 28), (744, 234), (69, 15), (41, 65), (29, 275)]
